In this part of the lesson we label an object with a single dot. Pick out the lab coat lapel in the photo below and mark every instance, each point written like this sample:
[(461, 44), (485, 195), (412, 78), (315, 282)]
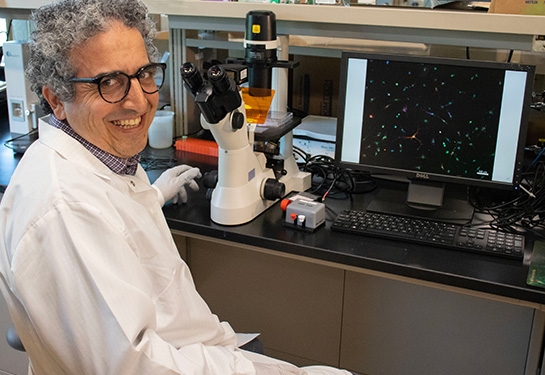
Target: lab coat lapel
[(71, 149)]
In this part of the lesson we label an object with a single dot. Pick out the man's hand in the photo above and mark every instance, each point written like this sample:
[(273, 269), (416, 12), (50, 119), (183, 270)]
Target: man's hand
[(172, 183)]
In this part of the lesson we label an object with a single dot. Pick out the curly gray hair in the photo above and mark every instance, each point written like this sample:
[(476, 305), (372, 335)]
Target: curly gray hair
[(65, 25)]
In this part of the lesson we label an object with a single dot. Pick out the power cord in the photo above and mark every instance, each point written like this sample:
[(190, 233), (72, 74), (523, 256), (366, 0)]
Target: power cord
[(519, 211), (329, 180), (9, 142), (150, 163)]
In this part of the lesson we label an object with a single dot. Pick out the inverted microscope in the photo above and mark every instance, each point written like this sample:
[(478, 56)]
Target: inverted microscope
[(249, 180)]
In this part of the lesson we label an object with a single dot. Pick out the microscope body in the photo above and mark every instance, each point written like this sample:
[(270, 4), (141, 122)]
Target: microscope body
[(242, 176), (245, 186), (248, 181)]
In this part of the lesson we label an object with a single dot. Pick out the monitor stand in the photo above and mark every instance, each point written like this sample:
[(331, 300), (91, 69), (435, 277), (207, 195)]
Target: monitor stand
[(426, 200)]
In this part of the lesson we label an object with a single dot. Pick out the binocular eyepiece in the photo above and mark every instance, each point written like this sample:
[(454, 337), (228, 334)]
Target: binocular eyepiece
[(216, 95), (217, 77)]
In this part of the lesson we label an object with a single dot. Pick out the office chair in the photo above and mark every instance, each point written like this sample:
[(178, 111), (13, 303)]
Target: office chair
[(13, 339)]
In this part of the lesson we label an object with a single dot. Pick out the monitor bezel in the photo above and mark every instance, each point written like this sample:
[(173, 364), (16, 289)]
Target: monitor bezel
[(416, 175)]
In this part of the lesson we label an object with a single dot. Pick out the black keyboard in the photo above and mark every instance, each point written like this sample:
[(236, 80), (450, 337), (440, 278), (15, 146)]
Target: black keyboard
[(459, 237)]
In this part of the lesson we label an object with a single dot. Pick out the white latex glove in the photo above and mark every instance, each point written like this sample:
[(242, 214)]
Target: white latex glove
[(172, 183), (277, 369)]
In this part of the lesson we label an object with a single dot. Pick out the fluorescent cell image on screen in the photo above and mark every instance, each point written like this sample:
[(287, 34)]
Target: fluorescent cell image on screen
[(431, 118)]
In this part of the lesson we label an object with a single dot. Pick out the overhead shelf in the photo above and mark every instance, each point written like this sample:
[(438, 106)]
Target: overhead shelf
[(459, 28), (417, 25)]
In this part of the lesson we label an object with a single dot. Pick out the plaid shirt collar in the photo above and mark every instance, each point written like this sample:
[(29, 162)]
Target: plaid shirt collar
[(116, 164)]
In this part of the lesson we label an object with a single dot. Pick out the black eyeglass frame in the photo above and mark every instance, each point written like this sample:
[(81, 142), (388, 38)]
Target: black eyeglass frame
[(96, 80)]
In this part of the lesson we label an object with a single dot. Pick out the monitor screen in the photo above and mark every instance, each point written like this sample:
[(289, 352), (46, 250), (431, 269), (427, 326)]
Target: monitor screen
[(433, 119)]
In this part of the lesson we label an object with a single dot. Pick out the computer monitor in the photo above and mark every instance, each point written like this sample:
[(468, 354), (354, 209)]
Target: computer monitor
[(435, 121)]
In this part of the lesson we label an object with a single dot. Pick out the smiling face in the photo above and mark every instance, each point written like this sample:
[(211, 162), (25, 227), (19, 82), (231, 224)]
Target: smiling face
[(118, 128)]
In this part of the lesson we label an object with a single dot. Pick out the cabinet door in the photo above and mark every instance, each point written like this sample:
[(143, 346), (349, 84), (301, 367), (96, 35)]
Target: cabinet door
[(296, 305), (392, 327)]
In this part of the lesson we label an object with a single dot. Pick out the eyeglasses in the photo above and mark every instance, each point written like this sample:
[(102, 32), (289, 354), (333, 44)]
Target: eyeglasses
[(114, 87)]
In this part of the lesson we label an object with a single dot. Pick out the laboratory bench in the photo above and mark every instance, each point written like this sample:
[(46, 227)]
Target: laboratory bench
[(480, 273), (498, 276)]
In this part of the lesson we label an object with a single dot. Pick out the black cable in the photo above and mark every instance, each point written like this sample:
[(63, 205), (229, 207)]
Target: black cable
[(510, 56), (520, 211), (9, 141), (301, 153), (151, 163), (331, 181), (9, 29)]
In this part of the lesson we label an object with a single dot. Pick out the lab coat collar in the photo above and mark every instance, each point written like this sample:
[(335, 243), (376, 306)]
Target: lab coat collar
[(70, 149)]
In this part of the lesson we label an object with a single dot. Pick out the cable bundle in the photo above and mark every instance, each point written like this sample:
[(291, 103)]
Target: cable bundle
[(519, 211), (329, 180)]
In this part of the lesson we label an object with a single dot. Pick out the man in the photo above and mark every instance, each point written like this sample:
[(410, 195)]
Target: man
[(92, 277)]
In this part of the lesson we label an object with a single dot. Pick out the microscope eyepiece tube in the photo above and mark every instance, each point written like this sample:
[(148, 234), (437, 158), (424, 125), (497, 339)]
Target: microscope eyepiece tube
[(191, 76), (219, 79), (188, 68), (216, 72)]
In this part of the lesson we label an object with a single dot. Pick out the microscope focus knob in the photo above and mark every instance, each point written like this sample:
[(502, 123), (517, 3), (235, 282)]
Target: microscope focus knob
[(237, 121), (273, 189), (210, 179)]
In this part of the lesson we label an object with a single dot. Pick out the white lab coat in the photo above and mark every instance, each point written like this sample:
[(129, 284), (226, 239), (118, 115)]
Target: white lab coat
[(92, 276)]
